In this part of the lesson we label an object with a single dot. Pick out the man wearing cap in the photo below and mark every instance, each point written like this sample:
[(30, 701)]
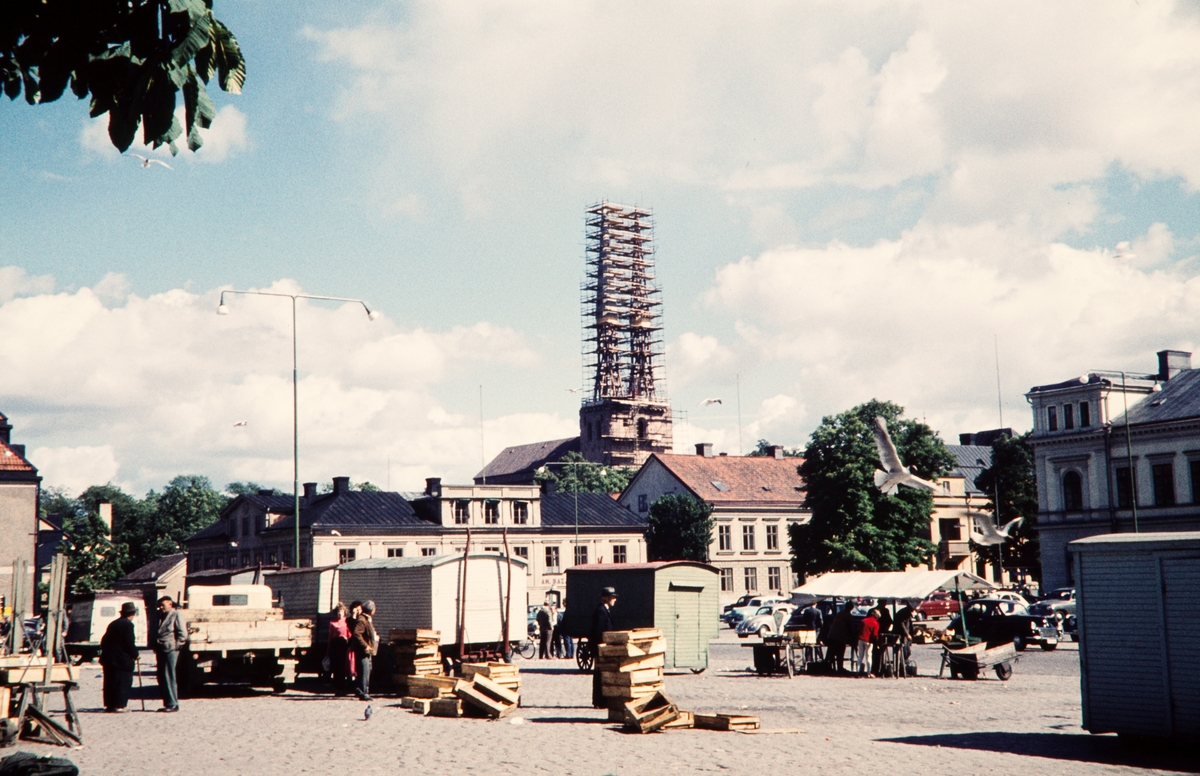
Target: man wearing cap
[(172, 637), (601, 621), (364, 642), (118, 656)]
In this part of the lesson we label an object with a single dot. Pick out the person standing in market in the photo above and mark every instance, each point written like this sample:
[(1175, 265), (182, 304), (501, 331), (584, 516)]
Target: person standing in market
[(118, 657), (337, 652), (172, 637), (868, 634), (602, 621), (364, 644), (545, 631)]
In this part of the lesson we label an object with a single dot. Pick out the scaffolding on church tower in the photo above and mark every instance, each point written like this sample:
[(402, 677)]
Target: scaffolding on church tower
[(621, 306)]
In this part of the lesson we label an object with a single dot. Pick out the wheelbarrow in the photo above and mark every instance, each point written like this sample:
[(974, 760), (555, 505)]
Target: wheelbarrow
[(968, 661)]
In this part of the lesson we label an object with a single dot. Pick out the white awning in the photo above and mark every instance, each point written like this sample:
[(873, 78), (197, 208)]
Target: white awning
[(889, 584)]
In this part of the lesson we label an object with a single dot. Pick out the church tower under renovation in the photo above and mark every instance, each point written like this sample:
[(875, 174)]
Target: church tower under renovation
[(625, 415)]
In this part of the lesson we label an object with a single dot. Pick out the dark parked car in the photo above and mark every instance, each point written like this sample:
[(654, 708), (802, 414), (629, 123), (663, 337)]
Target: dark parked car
[(1002, 622), (1059, 605)]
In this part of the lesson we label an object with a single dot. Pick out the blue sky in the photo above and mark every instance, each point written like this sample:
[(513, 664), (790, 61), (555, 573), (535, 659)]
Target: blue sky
[(851, 202)]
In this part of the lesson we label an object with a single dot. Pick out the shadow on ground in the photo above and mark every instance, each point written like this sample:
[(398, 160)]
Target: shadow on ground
[(1086, 748)]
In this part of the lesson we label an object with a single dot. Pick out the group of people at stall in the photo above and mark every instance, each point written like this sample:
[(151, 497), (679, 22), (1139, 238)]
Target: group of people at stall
[(867, 636)]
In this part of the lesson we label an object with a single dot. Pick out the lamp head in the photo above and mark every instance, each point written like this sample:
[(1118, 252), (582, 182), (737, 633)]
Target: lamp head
[(372, 314), (222, 309)]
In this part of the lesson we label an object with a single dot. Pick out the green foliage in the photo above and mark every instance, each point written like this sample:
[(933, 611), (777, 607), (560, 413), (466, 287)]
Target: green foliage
[(1012, 471), (249, 489), (94, 562), (855, 527), (367, 487), (679, 528), (761, 451), (55, 501), (575, 474), (132, 57), (128, 511)]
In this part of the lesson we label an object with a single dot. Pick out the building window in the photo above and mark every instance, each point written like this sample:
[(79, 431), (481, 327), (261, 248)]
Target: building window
[(643, 427), (287, 556), (1052, 418), (245, 559), (1072, 491), (520, 513), (274, 558), (395, 552), (581, 554), (726, 580), (772, 537), (1194, 471), (620, 553), (427, 552), (491, 512), (1164, 484), (347, 554), (950, 529), (748, 536), (462, 512), (751, 579), (551, 560), (1085, 414), (523, 554), (1125, 487), (491, 549), (245, 526), (208, 563), (774, 582), (643, 502), (724, 538), (1068, 416)]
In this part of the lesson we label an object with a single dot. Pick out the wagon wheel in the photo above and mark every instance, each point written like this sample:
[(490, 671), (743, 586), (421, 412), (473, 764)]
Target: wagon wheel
[(584, 657), (1003, 672)]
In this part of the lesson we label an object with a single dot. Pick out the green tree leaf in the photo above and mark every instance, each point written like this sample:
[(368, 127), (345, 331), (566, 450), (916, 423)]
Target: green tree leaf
[(1012, 476), (679, 528), (574, 473)]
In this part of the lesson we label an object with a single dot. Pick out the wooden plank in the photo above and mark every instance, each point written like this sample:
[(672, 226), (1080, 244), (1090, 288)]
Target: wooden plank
[(17, 661), (488, 687), (627, 679), (726, 722), (626, 636), (421, 705), (627, 693), (407, 701), (636, 663), (685, 720), (634, 648), (414, 634), (5, 701), (467, 693), (60, 672), (445, 707)]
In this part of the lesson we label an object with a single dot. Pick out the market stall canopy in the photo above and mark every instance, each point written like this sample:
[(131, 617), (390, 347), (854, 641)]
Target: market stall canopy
[(888, 584)]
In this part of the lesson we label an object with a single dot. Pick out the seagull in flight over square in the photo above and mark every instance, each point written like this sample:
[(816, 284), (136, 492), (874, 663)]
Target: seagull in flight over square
[(895, 473), (240, 423), (146, 162), (707, 402)]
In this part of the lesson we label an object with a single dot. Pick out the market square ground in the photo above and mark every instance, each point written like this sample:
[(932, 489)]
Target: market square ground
[(916, 726)]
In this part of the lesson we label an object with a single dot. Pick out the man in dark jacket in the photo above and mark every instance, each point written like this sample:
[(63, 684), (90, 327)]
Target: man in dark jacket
[(118, 656), (544, 631), (365, 643), (601, 621)]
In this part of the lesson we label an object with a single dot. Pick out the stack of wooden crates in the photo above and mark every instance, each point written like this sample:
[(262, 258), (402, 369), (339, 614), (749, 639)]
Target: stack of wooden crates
[(415, 653), (631, 667)]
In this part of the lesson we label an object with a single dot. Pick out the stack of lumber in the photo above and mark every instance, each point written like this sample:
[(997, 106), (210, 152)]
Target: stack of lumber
[(504, 674), (631, 667), (429, 686), (25, 669), (414, 653)]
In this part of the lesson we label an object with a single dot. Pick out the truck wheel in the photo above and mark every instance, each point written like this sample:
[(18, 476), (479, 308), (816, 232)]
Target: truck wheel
[(1003, 672), (1019, 643), (1049, 647)]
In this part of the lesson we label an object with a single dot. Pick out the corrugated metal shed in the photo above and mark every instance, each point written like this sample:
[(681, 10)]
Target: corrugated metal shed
[(1139, 649)]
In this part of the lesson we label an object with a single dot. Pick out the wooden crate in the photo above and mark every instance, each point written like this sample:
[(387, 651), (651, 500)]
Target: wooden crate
[(60, 672), (626, 636), (430, 686), (414, 634), (646, 715), (685, 720), (445, 707), (727, 721), (486, 696)]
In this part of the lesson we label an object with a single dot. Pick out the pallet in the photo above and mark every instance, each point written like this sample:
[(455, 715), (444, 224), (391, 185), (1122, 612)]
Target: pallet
[(626, 636), (484, 696), (414, 634), (635, 663), (684, 721), (726, 722), (631, 678), (445, 707), (634, 648), (646, 715), (430, 686)]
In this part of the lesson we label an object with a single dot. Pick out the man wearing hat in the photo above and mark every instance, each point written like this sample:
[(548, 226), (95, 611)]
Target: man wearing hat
[(118, 656), (365, 643), (601, 621)]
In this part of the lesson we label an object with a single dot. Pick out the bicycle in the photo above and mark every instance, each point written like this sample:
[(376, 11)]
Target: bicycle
[(527, 649)]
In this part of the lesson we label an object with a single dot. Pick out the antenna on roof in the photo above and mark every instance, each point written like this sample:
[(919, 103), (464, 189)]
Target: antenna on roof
[(482, 459)]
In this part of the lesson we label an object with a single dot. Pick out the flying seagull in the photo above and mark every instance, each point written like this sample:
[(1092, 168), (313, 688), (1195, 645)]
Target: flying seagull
[(147, 162), (895, 473), (240, 423), (983, 532), (707, 402), (572, 390)]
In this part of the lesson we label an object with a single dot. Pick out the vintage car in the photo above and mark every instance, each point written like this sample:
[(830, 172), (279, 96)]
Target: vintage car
[(939, 604), (1059, 603), (766, 621), (734, 616), (998, 621)]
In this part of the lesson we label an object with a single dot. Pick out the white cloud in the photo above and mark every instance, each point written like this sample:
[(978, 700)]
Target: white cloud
[(695, 358), (14, 281), (113, 287), (225, 137), (152, 388)]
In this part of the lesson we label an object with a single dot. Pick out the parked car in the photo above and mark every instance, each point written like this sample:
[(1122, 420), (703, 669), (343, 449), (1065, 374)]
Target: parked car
[(740, 602), (1058, 603), (999, 621), (939, 604), (764, 621), (735, 615), (1009, 595)]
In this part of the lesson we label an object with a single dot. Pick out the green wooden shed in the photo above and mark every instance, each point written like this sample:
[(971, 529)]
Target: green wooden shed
[(678, 596)]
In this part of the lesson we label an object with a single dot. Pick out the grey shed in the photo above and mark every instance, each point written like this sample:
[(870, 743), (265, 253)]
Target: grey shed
[(678, 596), (1139, 651)]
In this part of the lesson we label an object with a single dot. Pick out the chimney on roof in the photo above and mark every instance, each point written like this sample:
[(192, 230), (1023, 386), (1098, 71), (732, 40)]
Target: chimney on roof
[(265, 492), (704, 449), (775, 451), (18, 449), (1172, 362), (105, 508), (310, 490), (433, 487), (5, 429), (966, 439), (341, 484)]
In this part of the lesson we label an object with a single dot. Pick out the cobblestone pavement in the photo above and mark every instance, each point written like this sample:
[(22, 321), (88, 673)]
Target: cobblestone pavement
[(924, 725)]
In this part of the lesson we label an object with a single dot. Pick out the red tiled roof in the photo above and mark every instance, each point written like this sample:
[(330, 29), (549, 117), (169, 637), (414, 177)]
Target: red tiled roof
[(730, 479), (11, 462)]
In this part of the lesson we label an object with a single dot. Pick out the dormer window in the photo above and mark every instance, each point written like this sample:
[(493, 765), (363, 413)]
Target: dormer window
[(1052, 418)]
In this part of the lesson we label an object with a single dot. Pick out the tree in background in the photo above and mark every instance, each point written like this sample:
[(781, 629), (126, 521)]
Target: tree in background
[(855, 527), (132, 57), (575, 474), (679, 528), (187, 504), (94, 561), (1012, 475), (249, 489), (761, 451)]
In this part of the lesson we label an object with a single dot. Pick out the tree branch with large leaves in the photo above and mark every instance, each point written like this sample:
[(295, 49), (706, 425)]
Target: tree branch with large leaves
[(131, 56)]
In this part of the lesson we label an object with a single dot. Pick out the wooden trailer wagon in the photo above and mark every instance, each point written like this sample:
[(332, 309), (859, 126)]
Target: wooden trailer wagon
[(680, 597)]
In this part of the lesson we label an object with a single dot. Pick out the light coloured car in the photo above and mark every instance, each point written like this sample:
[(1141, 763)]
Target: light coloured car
[(1008, 595), (767, 621), (739, 613)]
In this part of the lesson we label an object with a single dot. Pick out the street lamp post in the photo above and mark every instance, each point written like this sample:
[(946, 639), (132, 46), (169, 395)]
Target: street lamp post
[(1128, 442), (371, 315)]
